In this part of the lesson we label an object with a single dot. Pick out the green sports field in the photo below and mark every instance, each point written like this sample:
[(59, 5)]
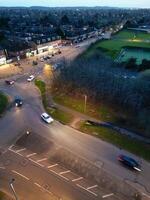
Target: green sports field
[(123, 39), (128, 53)]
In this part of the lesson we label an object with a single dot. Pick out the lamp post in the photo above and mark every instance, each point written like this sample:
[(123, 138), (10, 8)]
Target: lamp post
[(85, 102), (12, 188)]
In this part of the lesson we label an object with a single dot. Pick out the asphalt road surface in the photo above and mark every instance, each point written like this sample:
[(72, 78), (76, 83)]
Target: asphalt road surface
[(17, 120)]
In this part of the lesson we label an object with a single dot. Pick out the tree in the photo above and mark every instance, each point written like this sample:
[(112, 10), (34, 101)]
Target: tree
[(65, 20), (60, 32)]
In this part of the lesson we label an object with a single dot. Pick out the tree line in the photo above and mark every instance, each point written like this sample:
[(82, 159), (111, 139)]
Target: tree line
[(102, 80)]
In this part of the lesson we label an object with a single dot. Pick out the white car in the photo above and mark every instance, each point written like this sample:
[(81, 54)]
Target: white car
[(48, 119), (31, 78)]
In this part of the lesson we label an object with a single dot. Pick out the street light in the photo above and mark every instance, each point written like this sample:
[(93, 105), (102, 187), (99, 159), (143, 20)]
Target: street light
[(12, 188), (85, 102)]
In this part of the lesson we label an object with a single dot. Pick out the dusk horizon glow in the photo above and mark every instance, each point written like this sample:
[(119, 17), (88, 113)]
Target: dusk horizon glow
[(76, 3)]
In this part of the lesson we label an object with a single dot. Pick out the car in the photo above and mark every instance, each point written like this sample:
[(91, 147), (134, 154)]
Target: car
[(47, 118), (9, 82), (31, 78), (129, 162), (18, 102)]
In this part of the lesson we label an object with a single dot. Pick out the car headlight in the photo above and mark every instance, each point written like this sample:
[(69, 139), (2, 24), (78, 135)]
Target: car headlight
[(16, 104)]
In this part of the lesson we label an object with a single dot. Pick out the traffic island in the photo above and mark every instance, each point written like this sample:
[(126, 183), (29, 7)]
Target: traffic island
[(56, 113), (3, 103)]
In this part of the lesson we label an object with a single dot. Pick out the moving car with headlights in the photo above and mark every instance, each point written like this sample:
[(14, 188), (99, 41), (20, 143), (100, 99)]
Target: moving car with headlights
[(18, 102), (47, 118), (9, 82), (31, 78), (129, 162)]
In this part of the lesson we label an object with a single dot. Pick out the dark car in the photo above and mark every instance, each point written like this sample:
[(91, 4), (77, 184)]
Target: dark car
[(18, 102), (129, 162), (9, 82)]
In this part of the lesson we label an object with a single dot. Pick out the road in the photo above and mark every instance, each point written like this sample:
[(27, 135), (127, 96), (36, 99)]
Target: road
[(15, 121)]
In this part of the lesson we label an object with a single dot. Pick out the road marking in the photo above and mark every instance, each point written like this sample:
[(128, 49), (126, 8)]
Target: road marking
[(146, 195), (59, 175), (94, 186), (65, 172), (41, 160), (80, 186), (20, 150), (2, 168), (107, 195), (32, 154), (38, 185), (77, 179), (20, 174), (11, 147), (50, 166), (36, 162)]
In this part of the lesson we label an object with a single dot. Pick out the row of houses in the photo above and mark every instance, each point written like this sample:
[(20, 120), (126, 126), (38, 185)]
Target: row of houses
[(51, 47)]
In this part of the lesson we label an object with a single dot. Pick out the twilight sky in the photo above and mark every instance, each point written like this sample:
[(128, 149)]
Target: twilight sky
[(53, 3)]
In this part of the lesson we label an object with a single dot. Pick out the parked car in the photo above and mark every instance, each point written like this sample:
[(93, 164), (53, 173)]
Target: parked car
[(9, 82), (31, 78), (47, 118), (129, 162), (18, 102)]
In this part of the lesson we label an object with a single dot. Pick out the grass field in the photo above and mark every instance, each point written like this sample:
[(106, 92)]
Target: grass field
[(132, 145), (128, 53), (124, 38)]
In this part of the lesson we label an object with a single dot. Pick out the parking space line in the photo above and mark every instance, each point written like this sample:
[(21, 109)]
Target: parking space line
[(65, 172), (11, 146), (59, 175), (146, 195), (20, 174), (36, 162), (32, 154), (77, 179), (107, 195), (80, 186), (91, 187), (42, 188), (20, 150), (50, 166), (41, 160), (2, 168)]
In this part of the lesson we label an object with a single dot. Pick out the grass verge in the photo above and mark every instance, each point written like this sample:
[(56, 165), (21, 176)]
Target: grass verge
[(2, 195), (101, 112), (111, 136), (57, 114), (3, 103)]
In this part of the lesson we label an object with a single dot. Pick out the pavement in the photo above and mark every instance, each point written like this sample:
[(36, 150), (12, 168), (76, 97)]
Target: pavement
[(41, 178)]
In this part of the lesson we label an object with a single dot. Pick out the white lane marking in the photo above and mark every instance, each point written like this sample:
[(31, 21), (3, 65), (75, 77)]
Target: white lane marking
[(2, 168), (80, 186), (50, 166), (91, 187), (146, 195), (30, 155), (77, 179), (20, 150), (36, 162), (65, 172), (11, 146), (59, 175), (38, 185), (20, 174), (107, 195), (41, 160)]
